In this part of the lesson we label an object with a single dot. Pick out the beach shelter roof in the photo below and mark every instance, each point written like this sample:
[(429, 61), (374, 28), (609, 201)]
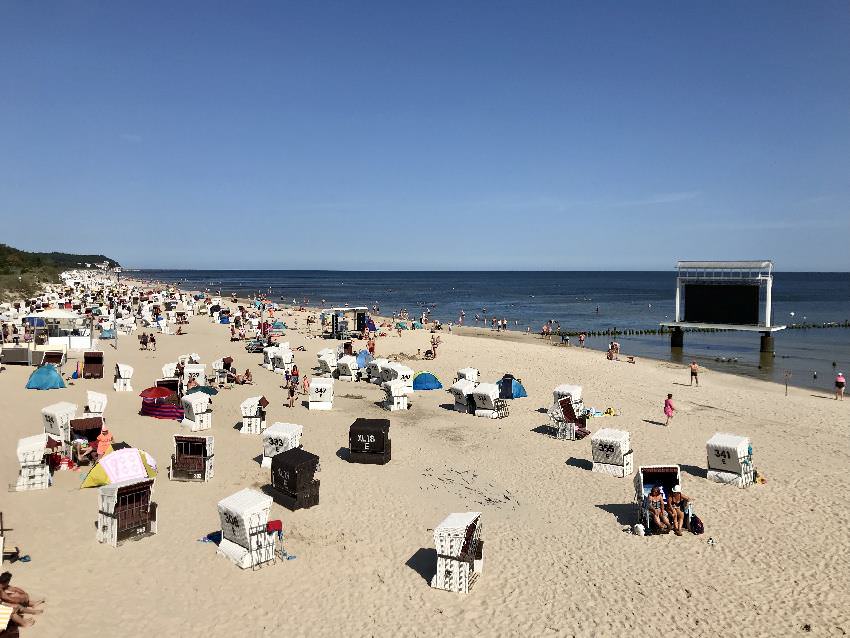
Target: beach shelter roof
[(55, 313), (127, 464), (426, 381), (45, 378)]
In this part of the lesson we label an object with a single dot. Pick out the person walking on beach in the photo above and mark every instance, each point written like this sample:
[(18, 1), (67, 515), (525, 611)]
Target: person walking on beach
[(694, 373), (152, 342), (581, 339), (305, 384), (669, 408), (840, 383), (293, 389)]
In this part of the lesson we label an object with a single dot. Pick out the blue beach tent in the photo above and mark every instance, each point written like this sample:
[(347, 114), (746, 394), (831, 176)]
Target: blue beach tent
[(516, 390), (45, 377), (426, 381), (363, 359)]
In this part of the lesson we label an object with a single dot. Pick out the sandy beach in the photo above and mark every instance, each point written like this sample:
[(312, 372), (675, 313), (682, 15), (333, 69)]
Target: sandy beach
[(558, 561)]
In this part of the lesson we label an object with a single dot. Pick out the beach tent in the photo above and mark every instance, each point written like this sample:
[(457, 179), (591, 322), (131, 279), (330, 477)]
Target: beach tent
[(45, 378), (107, 333), (126, 464), (426, 381), (363, 359), (161, 409), (224, 319), (516, 390), (401, 325)]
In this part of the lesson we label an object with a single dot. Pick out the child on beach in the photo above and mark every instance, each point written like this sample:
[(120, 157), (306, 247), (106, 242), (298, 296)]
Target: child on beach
[(305, 385), (669, 408)]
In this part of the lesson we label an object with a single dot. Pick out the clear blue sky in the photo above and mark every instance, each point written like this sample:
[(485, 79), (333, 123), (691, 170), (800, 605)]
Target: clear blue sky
[(450, 135)]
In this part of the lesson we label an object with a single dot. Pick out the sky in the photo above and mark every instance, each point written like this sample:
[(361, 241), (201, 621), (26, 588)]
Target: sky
[(427, 135)]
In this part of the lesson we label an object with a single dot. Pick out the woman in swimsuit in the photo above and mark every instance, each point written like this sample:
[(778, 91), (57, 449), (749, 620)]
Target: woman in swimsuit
[(840, 382), (655, 503), (676, 506)]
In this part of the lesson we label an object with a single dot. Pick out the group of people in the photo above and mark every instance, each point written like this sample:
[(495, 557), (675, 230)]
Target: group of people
[(147, 341), (292, 379), (668, 516)]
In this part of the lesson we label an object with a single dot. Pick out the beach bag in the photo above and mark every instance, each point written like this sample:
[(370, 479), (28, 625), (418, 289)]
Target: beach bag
[(696, 525)]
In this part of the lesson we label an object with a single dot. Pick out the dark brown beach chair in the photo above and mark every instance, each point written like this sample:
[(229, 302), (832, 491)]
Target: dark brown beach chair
[(93, 365)]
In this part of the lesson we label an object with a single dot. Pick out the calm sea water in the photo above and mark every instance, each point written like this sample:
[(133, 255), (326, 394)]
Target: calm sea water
[(591, 301)]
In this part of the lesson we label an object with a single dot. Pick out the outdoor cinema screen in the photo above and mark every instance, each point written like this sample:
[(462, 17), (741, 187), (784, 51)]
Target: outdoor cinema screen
[(727, 303)]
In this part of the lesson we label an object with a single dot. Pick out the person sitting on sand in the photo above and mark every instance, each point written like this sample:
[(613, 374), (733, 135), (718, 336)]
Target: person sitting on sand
[(193, 383), (19, 600), (676, 506), (669, 408), (179, 330), (655, 503)]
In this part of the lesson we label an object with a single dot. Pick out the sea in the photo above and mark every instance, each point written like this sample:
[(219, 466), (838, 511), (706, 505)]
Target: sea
[(592, 301)]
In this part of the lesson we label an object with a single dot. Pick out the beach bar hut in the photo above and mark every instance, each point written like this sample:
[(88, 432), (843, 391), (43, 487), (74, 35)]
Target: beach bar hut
[(321, 395), (192, 459), (253, 415), (460, 552), (56, 419), (122, 382), (395, 396), (126, 511), (369, 441), (462, 390), (197, 411), (730, 459), (33, 454), (612, 452), (245, 538), (293, 479), (278, 438), (487, 401)]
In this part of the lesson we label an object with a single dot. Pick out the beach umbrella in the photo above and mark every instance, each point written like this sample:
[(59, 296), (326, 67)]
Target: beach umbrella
[(155, 393), (426, 381), (45, 377), (206, 389), (127, 464)]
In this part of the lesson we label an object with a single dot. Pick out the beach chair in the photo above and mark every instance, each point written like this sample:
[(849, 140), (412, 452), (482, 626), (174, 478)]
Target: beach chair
[(93, 365), (460, 552), (192, 459), (666, 477)]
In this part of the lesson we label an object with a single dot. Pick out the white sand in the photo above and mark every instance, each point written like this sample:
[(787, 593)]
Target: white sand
[(556, 559)]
